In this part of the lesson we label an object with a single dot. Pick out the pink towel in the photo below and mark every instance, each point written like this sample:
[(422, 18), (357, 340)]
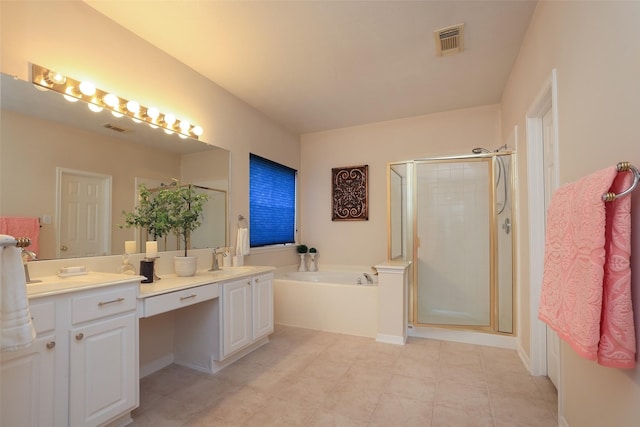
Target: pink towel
[(586, 287), (20, 226)]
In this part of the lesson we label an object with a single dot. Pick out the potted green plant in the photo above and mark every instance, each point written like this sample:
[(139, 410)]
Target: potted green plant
[(183, 206), (148, 215), (174, 208), (302, 251)]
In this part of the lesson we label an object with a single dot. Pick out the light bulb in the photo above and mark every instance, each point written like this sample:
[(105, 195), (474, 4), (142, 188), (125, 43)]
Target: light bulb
[(95, 108), (152, 126), (136, 120), (168, 131), (87, 88), (111, 100), (52, 77), (133, 106), (116, 114), (185, 126), (182, 136), (153, 113), (169, 119), (197, 130), (69, 95)]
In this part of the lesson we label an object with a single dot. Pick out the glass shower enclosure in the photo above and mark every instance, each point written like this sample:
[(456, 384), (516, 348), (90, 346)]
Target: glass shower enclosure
[(452, 217)]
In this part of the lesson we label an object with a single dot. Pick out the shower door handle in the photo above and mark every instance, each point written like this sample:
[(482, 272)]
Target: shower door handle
[(506, 226)]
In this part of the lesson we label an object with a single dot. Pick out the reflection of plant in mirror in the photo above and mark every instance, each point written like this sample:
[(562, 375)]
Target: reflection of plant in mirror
[(173, 208), (149, 215), (302, 249), (183, 207)]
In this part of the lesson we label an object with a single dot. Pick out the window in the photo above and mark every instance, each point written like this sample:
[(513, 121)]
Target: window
[(272, 202)]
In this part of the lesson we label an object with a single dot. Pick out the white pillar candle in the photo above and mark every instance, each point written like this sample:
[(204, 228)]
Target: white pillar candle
[(130, 247), (152, 249)]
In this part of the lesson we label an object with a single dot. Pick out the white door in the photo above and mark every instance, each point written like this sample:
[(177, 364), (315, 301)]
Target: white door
[(103, 370), (550, 185), (262, 294), (84, 214), (237, 321)]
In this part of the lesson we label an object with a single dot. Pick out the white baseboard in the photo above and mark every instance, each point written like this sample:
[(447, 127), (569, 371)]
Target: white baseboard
[(391, 339), (468, 337), (156, 365), (524, 357)]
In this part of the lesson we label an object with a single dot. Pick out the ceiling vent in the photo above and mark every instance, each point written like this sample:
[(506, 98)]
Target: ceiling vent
[(116, 128), (449, 40)]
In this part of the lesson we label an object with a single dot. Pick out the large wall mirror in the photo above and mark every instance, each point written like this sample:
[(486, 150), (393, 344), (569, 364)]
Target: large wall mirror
[(46, 140)]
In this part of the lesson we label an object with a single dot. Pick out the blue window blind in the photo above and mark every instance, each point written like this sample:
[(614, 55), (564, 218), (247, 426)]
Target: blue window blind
[(272, 202)]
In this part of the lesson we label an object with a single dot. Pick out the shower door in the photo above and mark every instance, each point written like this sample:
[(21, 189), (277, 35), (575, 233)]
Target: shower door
[(453, 226)]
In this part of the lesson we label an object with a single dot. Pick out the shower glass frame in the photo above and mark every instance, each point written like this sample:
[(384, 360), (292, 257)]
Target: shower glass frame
[(407, 222)]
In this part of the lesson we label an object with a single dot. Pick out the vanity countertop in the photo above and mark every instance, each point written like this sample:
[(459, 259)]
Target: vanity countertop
[(54, 285), (172, 282)]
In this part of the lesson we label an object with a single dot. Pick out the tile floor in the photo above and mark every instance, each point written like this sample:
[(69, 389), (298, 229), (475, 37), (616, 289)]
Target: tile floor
[(311, 378)]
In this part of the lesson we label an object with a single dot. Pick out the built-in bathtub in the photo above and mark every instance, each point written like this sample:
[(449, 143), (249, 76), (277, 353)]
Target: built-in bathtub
[(327, 300)]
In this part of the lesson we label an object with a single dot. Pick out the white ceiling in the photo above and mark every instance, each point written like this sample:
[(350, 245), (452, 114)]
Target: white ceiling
[(318, 65)]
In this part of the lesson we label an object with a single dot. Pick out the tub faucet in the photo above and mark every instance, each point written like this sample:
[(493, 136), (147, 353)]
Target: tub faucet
[(214, 262), (369, 279)]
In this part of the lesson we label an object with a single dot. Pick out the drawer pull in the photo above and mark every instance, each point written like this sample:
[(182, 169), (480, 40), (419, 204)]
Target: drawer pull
[(79, 336), (51, 344), (190, 296), (101, 303)]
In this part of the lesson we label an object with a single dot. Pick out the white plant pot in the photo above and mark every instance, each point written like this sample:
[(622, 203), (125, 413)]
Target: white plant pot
[(185, 265), (312, 263), (303, 263)]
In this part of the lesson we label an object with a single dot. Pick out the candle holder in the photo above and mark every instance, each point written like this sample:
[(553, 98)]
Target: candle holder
[(126, 268), (155, 275), (148, 269)]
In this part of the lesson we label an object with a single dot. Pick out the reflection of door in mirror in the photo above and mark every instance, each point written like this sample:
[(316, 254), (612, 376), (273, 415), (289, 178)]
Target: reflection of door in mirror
[(84, 203)]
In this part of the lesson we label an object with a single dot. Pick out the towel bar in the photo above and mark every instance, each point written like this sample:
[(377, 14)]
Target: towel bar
[(21, 242), (623, 167)]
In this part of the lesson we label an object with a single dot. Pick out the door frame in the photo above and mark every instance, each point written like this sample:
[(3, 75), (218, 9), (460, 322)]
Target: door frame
[(107, 182), (548, 96)]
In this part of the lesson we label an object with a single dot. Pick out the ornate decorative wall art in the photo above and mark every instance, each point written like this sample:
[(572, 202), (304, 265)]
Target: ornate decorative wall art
[(350, 190)]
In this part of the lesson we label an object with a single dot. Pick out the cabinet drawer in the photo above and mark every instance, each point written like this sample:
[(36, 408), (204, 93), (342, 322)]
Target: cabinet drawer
[(44, 316), (173, 300), (263, 278), (99, 304)]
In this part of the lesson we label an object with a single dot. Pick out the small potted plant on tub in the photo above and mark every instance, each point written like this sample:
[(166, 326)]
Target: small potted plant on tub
[(302, 251)]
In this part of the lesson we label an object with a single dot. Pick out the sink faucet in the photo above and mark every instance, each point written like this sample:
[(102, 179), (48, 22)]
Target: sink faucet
[(214, 262), (27, 255), (369, 279)]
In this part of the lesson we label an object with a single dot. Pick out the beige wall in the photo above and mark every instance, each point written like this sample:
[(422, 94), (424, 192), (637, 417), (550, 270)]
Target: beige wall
[(595, 48), (74, 39), (365, 242)]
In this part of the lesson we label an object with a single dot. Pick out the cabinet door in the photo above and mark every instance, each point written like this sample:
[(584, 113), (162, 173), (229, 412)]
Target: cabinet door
[(27, 385), (103, 372), (262, 306), (236, 316)]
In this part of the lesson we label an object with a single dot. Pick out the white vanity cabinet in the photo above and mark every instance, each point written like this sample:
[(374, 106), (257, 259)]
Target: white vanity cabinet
[(262, 309), (247, 312), (82, 369), (103, 358), (27, 378)]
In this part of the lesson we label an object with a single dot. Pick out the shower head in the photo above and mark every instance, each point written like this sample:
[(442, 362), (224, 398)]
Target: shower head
[(480, 150)]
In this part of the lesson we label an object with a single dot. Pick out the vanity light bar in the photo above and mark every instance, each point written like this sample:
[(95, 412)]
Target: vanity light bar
[(99, 99)]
